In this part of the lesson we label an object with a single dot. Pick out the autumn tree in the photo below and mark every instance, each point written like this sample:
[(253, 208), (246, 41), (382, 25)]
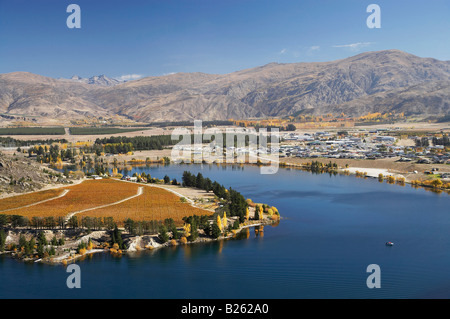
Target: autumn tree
[(436, 183), (90, 245), (219, 223), (224, 220)]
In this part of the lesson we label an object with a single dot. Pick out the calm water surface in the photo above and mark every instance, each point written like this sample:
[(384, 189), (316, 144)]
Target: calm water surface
[(333, 228)]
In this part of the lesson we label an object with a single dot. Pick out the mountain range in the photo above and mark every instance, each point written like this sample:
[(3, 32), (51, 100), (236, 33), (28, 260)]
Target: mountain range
[(101, 80), (382, 81)]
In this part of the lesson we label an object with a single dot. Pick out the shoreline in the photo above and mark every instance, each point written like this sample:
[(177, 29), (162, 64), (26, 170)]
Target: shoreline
[(69, 258)]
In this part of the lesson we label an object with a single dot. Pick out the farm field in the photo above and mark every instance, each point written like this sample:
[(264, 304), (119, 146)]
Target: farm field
[(88, 194), (28, 199), (32, 131), (101, 130), (154, 204)]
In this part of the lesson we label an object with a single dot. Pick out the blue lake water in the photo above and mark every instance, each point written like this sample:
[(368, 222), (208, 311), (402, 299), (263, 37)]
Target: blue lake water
[(333, 227)]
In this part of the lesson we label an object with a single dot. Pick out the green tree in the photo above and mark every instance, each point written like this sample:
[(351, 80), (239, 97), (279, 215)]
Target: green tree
[(30, 246), (257, 209), (3, 220), (22, 241), (215, 230), (163, 236), (166, 179), (130, 226), (200, 181), (54, 241), (41, 238), (2, 239), (194, 230), (40, 250), (117, 238)]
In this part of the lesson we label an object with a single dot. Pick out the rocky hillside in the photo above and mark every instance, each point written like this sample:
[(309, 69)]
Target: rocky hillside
[(28, 94), (20, 175), (383, 81)]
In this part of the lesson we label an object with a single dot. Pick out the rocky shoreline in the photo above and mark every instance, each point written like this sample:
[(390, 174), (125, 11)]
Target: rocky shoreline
[(100, 242)]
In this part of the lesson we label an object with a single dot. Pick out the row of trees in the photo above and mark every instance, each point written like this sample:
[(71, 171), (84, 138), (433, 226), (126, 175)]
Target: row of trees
[(319, 167), (75, 222), (114, 143), (52, 154), (425, 141), (12, 142), (198, 181), (236, 204), (137, 228), (445, 141)]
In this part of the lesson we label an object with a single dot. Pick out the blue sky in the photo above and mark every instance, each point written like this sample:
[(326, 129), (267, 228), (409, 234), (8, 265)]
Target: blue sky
[(149, 38)]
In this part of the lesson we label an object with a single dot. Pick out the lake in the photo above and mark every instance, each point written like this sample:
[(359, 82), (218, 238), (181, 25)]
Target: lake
[(333, 227)]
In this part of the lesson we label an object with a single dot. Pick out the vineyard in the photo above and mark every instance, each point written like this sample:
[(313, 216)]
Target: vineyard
[(27, 199), (154, 204), (89, 194)]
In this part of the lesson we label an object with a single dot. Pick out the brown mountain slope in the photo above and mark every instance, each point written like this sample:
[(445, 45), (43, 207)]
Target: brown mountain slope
[(274, 89), (28, 94), (432, 98), (270, 90)]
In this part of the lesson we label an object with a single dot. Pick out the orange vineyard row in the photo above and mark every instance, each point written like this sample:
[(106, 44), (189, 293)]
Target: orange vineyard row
[(89, 194), (154, 204), (28, 199)]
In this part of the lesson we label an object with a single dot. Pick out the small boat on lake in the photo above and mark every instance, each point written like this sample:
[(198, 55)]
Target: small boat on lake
[(389, 243)]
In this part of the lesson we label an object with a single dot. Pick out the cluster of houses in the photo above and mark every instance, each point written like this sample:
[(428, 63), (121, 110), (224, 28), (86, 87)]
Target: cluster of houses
[(129, 178), (359, 145)]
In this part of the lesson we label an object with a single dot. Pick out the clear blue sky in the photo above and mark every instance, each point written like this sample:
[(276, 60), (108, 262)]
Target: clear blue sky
[(153, 37)]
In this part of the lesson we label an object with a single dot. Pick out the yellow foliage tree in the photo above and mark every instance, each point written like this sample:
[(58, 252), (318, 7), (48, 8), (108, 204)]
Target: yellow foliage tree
[(275, 210), (187, 230), (400, 180), (391, 179), (436, 183), (224, 221), (219, 223), (90, 245), (261, 212)]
